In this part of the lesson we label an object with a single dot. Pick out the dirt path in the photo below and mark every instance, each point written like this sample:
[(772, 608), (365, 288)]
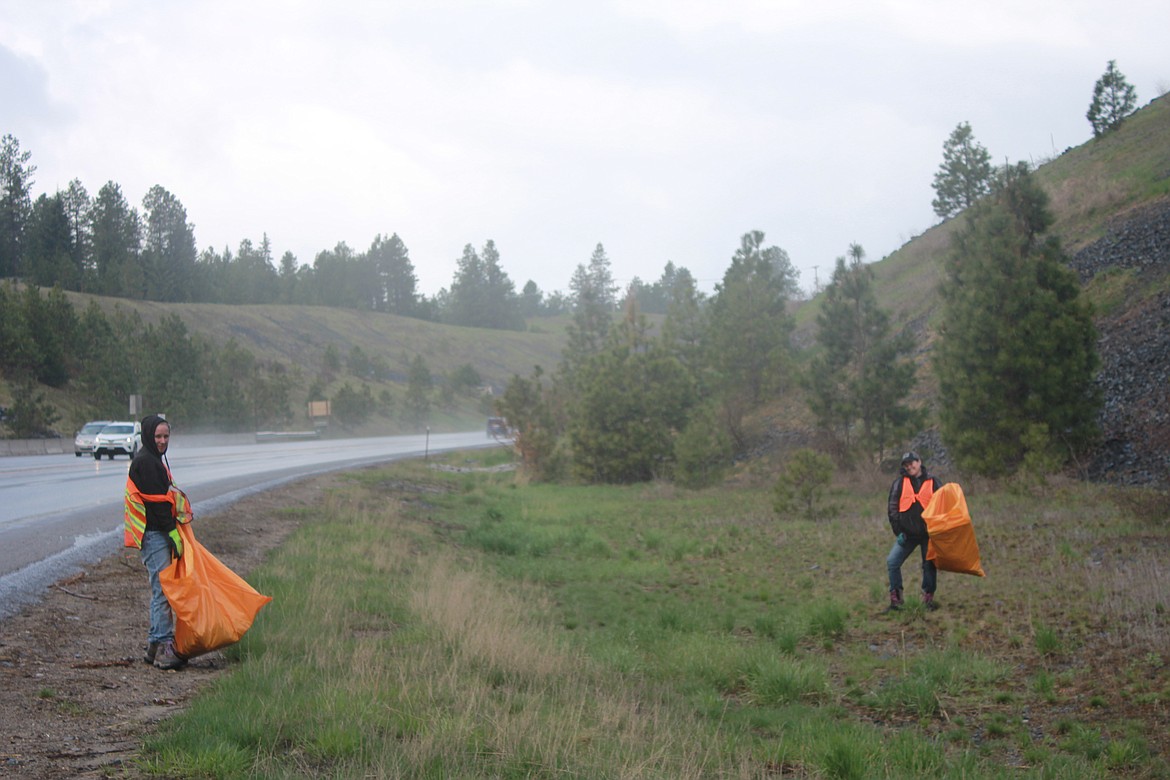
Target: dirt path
[(75, 695)]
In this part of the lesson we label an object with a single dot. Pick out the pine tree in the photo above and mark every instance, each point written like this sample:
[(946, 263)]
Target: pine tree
[(232, 370), (592, 290), (163, 346), (55, 327), (101, 346), (747, 338), (859, 383), (467, 303), (1113, 100), (352, 407), (685, 325), (251, 277), (48, 250), (169, 251), (965, 174), (77, 208), (525, 405), (398, 284), (32, 414), (270, 394), (337, 279), (18, 348), (1017, 354), (16, 180), (503, 312), (531, 300), (116, 231), (482, 295), (291, 289), (634, 398)]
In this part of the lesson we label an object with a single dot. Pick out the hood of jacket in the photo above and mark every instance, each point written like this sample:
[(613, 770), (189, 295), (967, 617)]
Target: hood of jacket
[(149, 424)]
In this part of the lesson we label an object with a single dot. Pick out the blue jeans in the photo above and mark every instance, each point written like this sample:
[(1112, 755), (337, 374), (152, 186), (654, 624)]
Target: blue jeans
[(156, 556), (898, 555)]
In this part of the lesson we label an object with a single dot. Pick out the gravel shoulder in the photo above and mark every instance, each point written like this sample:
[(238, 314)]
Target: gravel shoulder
[(76, 698)]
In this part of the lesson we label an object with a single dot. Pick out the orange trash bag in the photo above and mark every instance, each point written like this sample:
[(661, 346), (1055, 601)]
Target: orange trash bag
[(213, 605), (952, 544)]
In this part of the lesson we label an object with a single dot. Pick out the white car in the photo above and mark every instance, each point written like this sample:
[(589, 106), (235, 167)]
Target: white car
[(83, 441), (118, 438)]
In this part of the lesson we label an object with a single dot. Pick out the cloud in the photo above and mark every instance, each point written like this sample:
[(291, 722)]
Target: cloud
[(664, 130), (24, 92)]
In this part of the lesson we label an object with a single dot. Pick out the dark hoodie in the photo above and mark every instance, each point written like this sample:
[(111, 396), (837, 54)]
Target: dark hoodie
[(149, 473), (909, 522)]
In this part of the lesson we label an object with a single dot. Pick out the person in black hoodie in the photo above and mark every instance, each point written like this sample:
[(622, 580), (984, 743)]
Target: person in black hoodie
[(149, 497), (909, 495)]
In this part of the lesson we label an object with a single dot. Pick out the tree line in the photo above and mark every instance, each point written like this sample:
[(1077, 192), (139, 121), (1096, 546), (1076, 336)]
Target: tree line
[(104, 245)]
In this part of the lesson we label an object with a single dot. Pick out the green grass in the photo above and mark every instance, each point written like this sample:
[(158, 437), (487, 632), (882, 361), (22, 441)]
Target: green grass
[(500, 630)]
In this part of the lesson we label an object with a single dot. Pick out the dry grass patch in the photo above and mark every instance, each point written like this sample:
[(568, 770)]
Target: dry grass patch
[(530, 697), (1137, 591)]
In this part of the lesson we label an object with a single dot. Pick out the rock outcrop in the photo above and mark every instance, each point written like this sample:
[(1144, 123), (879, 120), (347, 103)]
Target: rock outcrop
[(1134, 346)]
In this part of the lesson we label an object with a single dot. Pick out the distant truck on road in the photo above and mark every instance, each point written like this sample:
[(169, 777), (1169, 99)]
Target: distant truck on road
[(497, 428)]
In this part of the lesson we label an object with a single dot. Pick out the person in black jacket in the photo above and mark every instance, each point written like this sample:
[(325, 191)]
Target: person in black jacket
[(909, 495), (151, 475)]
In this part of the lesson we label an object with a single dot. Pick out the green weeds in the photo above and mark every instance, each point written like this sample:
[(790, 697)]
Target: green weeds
[(639, 632)]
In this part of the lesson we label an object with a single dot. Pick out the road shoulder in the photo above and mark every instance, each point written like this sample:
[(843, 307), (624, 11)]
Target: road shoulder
[(75, 696)]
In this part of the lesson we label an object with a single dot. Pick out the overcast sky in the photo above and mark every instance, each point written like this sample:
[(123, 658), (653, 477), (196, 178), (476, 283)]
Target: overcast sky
[(663, 129)]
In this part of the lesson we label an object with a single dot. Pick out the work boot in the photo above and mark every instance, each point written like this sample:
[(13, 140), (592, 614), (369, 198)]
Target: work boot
[(167, 658), (928, 601), (895, 601), (151, 652)]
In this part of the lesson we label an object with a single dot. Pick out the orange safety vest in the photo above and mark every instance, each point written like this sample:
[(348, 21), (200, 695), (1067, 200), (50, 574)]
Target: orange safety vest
[(909, 496), (134, 516)]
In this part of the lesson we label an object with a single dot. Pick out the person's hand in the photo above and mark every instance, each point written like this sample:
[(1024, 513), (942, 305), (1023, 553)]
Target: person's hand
[(901, 540), (176, 542)]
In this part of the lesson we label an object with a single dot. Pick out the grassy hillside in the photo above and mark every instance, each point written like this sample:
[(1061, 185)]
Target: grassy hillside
[(299, 335), (1089, 186)]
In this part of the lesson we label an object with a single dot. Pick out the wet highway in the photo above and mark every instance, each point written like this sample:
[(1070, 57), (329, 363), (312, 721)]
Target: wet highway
[(58, 512)]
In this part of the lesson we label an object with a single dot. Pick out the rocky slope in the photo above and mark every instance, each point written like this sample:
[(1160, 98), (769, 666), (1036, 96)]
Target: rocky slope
[(1135, 349)]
